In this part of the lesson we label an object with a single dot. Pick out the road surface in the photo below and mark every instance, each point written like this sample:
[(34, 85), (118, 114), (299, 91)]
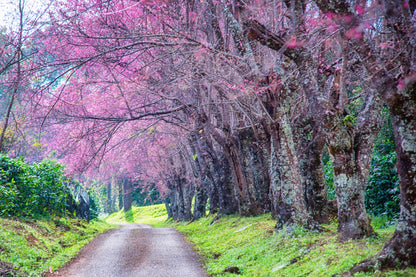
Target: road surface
[(135, 250)]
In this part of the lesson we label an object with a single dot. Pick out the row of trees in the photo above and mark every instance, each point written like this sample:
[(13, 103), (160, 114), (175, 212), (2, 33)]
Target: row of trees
[(234, 102)]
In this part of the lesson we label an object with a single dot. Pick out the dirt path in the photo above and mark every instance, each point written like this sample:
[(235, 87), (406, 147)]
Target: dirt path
[(135, 250)]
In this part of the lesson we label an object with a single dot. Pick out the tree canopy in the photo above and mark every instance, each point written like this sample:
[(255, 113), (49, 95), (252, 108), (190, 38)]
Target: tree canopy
[(226, 101)]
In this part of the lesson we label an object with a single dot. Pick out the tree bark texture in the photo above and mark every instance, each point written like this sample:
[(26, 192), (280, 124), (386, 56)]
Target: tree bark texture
[(201, 198), (287, 189), (310, 148), (351, 159), (126, 194), (109, 204), (400, 250)]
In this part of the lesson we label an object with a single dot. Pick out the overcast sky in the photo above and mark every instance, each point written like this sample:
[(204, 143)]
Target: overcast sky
[(8, 9)]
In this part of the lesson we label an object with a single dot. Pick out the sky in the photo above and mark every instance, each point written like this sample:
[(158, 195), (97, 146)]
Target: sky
[(5, 9), (8, 9)]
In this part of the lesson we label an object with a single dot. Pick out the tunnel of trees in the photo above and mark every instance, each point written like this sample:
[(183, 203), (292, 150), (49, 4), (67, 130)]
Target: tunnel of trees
[(225, 106)]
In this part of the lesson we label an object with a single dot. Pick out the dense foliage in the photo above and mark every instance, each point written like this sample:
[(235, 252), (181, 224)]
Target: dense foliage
[(383, 195), (32, 189)]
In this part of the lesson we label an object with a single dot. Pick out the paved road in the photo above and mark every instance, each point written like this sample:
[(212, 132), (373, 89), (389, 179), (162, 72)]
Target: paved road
[(135, 250)]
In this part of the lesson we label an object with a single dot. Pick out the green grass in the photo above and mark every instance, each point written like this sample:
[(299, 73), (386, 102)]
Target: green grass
[(35, 246), (154, 215), (252, 245)]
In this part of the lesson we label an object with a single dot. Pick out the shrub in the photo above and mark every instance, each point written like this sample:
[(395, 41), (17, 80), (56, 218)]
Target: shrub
[(383, 194), (31, 189)]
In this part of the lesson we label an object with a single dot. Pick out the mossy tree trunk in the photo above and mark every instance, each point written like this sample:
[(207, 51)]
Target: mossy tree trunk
[(202, 180), (400, 251), (253, 145), (286, 185), (311, 143), (109, 203), (217, 172), (350, 147)]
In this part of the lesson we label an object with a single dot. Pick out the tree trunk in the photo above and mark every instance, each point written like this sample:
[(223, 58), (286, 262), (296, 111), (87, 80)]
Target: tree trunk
[(255, 155), (187, 195), (310, 151), (400, 250), (109, 206), (353, 220), (126, 194), (209, 161), (227, 199), (201, 198), (120, 195), (222, 170), (287, 190), (245, 201), (168, 206), (350, 147)]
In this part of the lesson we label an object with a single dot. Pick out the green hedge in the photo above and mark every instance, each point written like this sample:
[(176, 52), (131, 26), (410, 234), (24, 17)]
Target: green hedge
[(32, 189)]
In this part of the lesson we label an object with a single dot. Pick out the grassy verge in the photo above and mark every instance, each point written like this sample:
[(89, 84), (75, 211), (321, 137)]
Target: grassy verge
[(29, 247), (250, 246), (236, 246), (154, 215)]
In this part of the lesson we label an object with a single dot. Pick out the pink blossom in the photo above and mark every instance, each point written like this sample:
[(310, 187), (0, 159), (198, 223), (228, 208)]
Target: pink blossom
[(400, 84), (405, 4), (359, 9), (354, 33), (348, 18), (293, 42), (329, 15)]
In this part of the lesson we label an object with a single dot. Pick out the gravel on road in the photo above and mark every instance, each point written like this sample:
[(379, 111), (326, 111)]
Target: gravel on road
[(135, 250)]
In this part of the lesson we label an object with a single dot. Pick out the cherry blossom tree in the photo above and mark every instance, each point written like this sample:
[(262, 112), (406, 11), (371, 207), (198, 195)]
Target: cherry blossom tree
[(234, 103)]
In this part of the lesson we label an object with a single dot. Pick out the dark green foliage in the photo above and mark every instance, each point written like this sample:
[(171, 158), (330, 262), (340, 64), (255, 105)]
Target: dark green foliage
[(383, 195), (329, 174), (145, 196), (31, 189), (94, 204)]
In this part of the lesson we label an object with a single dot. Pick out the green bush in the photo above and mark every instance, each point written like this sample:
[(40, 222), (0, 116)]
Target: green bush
[(94, 204), (329, 179), (383, 194), (31, 189)]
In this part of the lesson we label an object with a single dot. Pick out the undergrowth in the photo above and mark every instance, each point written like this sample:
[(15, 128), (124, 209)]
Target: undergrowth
[(154, 215), (250, 246), (30, 247)]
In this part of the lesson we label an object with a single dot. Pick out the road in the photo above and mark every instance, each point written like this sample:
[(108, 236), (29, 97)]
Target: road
[(135, 250)]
